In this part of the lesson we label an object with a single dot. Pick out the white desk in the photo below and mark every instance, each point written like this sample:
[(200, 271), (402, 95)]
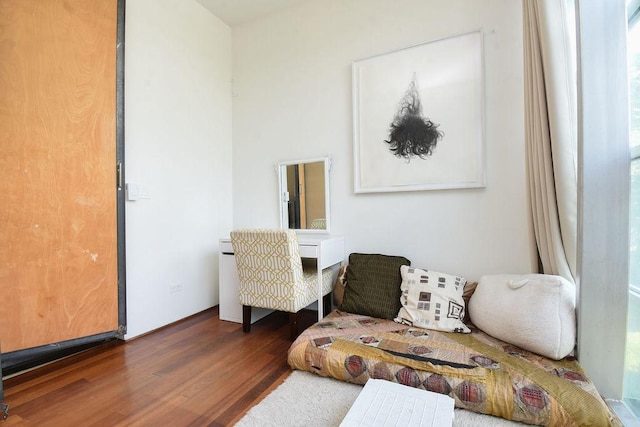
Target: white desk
[(325, 249)]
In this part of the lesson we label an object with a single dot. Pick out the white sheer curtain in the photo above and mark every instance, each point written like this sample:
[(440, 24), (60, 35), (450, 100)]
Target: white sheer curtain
[(551, 131)]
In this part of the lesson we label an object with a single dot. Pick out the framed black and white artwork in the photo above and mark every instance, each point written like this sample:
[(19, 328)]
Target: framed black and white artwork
[(418, 117)]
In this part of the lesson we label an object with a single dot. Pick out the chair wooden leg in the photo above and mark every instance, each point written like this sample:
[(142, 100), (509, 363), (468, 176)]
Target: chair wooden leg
[(246, 318), (293, 326), (326, 303)]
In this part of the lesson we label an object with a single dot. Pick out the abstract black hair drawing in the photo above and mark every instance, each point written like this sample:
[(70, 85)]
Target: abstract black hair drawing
[(411, 134), (418, 117)]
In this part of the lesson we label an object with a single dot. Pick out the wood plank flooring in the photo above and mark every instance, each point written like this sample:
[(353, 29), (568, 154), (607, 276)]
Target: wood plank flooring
[(201, 371)]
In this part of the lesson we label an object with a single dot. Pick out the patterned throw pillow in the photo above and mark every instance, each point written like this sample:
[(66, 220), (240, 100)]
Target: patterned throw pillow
[(469, 289), (432, 300), (338, 288), (373, 285)]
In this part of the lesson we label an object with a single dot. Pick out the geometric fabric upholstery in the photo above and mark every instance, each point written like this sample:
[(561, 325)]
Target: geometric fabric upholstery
[(271, 272)]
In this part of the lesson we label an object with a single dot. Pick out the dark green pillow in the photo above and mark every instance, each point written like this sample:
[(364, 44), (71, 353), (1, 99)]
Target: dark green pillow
[(373, 285)]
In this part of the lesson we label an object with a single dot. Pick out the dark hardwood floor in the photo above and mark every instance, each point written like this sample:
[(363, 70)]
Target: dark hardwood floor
[(200, 371)]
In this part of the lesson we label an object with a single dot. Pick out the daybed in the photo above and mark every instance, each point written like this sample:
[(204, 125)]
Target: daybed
[(480, 372)]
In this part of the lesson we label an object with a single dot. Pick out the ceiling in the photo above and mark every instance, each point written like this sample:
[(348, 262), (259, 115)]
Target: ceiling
[(234, 12)]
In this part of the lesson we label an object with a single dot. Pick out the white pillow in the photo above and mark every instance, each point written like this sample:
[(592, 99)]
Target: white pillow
[(535, 312), (431, 300)]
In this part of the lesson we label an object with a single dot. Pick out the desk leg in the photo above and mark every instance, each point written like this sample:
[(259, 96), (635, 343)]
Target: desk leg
[(320, 308), (319, 271)]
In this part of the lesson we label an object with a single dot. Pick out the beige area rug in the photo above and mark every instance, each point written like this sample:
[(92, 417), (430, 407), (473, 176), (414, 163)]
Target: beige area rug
[(308, 400)]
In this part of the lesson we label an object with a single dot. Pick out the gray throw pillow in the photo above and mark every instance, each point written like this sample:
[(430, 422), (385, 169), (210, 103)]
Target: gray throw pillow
[(373, 285)]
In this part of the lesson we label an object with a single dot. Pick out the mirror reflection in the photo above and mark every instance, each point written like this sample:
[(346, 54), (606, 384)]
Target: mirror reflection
[(304, 194)]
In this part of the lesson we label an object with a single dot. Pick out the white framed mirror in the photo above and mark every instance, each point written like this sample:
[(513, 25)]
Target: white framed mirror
[(304, 195)]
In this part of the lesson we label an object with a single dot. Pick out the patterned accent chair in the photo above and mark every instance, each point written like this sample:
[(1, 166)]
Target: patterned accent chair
[(318, 224), (272, 274)]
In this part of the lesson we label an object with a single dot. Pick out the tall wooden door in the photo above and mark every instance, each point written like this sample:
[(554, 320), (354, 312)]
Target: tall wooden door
[(58, 225)]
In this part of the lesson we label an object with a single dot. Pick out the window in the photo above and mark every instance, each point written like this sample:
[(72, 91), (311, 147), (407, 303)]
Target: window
[(632, 358)]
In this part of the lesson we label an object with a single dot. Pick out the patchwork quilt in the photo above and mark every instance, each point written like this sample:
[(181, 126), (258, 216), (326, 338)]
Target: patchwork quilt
[(479, 372)]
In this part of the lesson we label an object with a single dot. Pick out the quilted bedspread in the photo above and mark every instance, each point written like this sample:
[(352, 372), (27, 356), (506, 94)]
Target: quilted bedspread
[(481, 373)]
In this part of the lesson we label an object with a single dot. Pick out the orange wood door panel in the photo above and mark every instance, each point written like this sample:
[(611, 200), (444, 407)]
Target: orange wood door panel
[(58, 229)]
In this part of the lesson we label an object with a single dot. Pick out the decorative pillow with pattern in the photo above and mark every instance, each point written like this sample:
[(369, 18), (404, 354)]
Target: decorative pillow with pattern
[(338, 288), (373, 285), (469, 289), (432, 300)]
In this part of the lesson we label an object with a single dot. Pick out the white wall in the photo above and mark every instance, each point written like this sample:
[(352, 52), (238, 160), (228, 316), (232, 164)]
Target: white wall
[(292, 100), (178, 146)]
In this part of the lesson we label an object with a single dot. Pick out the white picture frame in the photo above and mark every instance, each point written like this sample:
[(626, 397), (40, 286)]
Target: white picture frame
[(447, 78)]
